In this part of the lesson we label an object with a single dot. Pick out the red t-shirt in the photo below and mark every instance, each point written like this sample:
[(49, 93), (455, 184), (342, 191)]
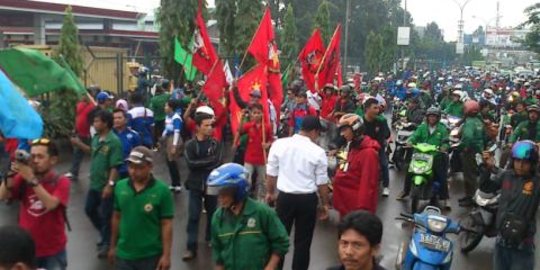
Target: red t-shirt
[(82, 125), (46, 228), (254, 149), (328, 104)]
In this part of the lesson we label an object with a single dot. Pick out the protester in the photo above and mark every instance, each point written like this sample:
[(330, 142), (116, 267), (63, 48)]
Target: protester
[(259, 139), (106, 158), (82, 130), (141, 120), (142, 223), (297, 167), (173, 142), (44, 197), (128, 137), (344, 104), (18, 250), (356, 182), (202, 154), (359, 241), (300, 111), (157, 105), (328, 102), (241, 222)]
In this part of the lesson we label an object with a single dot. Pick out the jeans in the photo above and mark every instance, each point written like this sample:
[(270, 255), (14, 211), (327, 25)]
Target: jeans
[(54, 262), (505, 258), (194, 214), (149, 263), (260, 187), (78, 156), (383, 160), (300, 210), (100, 211)]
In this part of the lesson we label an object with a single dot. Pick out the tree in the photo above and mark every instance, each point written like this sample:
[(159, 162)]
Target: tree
[(322, 20), (176, 19), (433, 32), (246, 23), (471, 53), (289, 38), (373, 53), (389, 50), (68, 46), (532, 39), (226, 13)]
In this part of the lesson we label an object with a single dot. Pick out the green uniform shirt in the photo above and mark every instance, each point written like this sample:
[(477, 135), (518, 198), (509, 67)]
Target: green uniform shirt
[(455, 108), (139, 234), (439, 137), (246, 241), (106, 154), (445, 102), (530, 101), (522, 132), (157, 105), (473, 134), (517, 118)]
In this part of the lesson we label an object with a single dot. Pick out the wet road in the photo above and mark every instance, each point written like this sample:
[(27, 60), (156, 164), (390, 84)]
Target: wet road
[(82, 254)]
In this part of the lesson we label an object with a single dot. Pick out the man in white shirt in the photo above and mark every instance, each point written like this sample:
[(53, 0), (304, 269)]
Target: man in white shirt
[(298, 168)]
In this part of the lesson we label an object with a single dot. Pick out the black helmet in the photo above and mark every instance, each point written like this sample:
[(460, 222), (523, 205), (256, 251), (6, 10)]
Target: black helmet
[(433, 111)]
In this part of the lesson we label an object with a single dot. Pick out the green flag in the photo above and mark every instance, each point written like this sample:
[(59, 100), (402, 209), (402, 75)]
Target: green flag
[(184, 58), (36, 73)]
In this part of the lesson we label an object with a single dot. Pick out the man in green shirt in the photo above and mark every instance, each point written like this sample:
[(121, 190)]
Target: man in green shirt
[(157, 105), (455, 107), (528, 129), (106, 157), (246, 234), (142, 221)]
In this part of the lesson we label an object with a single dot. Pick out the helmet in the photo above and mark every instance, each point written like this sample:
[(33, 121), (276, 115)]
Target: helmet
[(433, 111), (411, 85), (103, 96), (352, 120), (230, 176), (346, 89), (205, 109), (458, 86), (471, 106), (489, 92), (533, 108), (399, 82), (525, 150)]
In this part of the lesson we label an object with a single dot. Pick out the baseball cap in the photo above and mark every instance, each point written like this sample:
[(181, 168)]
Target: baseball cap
[(312, 123), (102, 96), (140, 154)]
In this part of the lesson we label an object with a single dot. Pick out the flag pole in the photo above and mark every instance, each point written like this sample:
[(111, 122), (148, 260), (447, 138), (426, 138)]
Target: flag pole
[(324, 58), (252, 38)]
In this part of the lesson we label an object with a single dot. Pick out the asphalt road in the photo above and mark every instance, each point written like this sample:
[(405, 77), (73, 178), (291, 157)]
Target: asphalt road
[(82, 239)]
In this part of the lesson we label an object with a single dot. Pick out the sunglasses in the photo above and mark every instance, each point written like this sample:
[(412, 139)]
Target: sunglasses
[(42, 141)]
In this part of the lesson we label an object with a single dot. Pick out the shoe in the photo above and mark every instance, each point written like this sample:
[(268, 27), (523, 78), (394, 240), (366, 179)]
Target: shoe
[(402, 195), (177, 189), (467, 203), (386, 192), (103, 251), (188, 255)]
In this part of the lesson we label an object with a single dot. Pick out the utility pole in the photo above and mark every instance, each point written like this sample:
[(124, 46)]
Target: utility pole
[(347, 18), (461, 23), (403, 47)]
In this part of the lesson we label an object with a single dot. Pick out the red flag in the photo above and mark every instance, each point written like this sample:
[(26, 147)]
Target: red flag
[(254, 79), (204, 54), (310, 58), (331, 59), (275, 91), (263, 46), (215, 83), (339, 76)]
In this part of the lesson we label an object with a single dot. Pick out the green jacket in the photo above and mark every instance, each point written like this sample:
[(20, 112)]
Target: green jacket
[(440, 137), (247, 241), (157, 105), (521, 132), (455, 109), (530, 101), (518, 118), (473, 134), (445, 102)]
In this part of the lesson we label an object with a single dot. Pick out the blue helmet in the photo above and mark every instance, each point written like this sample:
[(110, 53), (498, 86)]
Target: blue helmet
[(230, 176), (525, 150)]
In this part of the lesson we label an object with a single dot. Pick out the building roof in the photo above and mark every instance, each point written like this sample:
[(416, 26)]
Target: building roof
[(59, 9)]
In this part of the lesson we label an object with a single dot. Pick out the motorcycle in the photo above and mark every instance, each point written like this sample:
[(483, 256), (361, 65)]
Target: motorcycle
[(402, 155), (429, 248), (453, 125), (421, 175), (481, 220)]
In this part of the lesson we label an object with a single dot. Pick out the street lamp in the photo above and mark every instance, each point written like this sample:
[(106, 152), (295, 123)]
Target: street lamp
[(486, 23), (460, 23)]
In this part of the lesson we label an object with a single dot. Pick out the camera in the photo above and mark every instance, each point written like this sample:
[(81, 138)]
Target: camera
[(22, 156)]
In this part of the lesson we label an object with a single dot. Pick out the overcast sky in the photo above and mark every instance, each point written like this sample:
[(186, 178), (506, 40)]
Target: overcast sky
[(444, 12)]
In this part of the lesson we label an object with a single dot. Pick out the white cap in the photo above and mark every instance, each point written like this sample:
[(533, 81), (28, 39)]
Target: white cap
[(205, 109)]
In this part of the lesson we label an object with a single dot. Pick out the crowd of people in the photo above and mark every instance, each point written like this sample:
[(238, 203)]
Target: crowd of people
[(328, 149)]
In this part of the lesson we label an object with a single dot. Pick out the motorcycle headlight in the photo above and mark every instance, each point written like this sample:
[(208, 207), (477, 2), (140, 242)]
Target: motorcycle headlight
[(437, 224)]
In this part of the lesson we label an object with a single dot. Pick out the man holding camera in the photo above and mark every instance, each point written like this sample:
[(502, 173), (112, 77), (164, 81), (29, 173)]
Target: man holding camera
[(44, 196)]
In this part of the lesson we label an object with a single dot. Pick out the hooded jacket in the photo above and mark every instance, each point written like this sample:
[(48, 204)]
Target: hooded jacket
[(357, 187)]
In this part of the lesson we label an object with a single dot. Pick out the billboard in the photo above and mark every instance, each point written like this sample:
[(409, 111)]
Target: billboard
[(403, 36)]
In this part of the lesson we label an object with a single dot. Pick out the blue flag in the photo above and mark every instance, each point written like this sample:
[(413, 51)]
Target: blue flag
[(17, 117)]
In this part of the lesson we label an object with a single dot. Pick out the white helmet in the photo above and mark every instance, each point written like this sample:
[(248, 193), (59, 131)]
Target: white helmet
[(489, 92), (462, 95), (205, 109), (458, 86)]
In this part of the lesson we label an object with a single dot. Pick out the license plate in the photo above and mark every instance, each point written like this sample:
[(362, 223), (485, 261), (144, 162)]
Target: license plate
[(435, 242)]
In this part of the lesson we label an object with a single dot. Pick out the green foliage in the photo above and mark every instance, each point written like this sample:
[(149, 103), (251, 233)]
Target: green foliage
[(289, 38), (432, 47), (226, 13), (69, 43), (322, 21), (176, 18), (471, 54), (246, 22), (532, 39), (373, 53)]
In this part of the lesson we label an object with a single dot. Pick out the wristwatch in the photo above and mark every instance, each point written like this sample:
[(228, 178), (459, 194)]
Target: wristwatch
[(33, 183), (111, 183)]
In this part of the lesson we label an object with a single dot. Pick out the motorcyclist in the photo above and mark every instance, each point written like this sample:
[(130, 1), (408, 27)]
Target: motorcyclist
[(344, 104), (520, 197), (489, 96), (400, 91), (530, 99), (414, 113), (444, 98), (473, 136), (528, 129), (455, 108), (519, 116), (433, 132), (356, 180)]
